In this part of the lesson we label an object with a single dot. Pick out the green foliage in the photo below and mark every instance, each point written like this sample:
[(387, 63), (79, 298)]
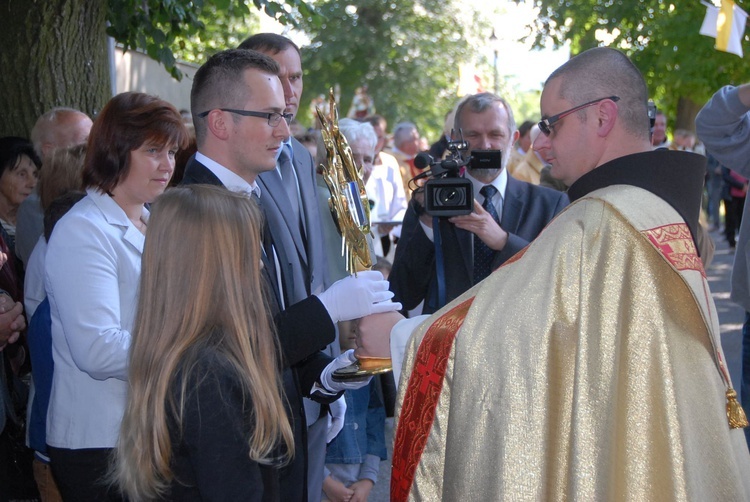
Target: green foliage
[(160, 27), (661, 38), (406, 52), (225, 27)]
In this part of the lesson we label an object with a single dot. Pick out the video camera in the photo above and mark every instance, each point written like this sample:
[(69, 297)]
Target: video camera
[(446, 193)]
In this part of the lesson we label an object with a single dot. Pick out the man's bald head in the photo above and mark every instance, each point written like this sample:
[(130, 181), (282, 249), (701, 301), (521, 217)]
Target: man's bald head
[(59, 128), (601, 72)]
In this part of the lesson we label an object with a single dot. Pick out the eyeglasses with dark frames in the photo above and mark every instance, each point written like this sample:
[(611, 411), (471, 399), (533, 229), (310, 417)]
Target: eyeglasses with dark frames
[(273, 118), (545, 125)]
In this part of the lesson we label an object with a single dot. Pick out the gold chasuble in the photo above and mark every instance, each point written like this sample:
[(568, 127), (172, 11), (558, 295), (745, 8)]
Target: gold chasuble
[(587, 368)]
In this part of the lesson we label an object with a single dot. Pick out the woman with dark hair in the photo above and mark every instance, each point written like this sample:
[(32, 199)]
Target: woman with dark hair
[(92, 270), (205, 409), (19, 168), (19, 172)]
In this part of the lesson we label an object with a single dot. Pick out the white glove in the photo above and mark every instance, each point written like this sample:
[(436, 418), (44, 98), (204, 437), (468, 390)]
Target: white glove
[(344, 360), (358, 296), (336, 418)]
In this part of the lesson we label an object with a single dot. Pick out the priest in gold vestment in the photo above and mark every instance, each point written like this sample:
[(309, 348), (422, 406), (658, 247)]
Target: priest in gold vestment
[(589, 366)]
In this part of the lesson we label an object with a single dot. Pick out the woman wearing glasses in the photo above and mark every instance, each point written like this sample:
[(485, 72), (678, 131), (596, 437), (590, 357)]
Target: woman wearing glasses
[(92, 271)]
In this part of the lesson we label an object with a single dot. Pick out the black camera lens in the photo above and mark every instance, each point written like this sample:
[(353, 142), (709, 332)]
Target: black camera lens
[(450, 196), (446, 197)]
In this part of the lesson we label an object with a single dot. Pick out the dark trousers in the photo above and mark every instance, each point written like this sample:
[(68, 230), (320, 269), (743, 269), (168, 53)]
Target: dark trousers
[(733, 220), (80, 474), (745, 382)]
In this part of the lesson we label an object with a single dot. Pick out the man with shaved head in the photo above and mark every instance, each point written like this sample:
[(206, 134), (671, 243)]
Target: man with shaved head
[(57, 128), (589, 366)]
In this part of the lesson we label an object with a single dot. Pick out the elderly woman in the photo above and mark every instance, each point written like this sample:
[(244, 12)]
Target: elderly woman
[(19, 167), (92, 270), (362, 140), (19, 172)]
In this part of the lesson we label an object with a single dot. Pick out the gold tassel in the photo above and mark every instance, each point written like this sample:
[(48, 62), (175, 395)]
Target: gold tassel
[(735, 413)]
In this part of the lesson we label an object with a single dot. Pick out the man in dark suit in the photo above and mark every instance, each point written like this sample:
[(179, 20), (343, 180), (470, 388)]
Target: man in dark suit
[(238, 111), (289, 197), (289, 200), (507, 215)]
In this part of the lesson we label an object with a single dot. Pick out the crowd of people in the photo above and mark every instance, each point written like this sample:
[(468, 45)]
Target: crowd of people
[(175, 298)]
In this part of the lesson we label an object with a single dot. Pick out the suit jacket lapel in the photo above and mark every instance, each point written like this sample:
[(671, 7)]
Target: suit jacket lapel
[(195, 172), (273, 193), (512, 206), (270, 280), (307, 187), (316, 245)]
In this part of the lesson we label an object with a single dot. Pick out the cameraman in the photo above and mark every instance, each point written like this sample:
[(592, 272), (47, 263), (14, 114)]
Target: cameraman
[(503, 223)]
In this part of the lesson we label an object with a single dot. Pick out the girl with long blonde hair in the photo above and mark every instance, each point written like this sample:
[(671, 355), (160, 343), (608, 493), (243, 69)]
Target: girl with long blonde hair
[(205, 417)]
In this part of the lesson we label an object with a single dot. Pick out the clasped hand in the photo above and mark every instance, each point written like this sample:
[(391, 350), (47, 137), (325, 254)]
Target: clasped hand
[(12, 321)]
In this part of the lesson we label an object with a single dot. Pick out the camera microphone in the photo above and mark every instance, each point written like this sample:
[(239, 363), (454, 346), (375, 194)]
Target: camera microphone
[(423, 160)]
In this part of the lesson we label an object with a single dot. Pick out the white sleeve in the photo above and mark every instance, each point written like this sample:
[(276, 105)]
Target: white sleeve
[(400, 334), (33, 285), (84, 280)]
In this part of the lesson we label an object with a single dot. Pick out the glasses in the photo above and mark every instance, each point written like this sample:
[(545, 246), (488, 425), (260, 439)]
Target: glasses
[(546, 124), (273, 118)]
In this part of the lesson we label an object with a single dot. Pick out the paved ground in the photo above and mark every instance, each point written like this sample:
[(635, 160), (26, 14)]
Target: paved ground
[(731, 318)]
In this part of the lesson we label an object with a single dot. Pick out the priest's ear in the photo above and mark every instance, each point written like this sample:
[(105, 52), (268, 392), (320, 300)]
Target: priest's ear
[(607, 117)]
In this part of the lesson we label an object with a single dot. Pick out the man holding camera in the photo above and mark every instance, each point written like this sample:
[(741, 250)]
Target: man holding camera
[(507, 215)]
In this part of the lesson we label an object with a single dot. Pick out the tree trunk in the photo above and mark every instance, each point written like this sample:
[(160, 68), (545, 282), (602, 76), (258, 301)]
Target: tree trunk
[(687, 109), (54, 54)]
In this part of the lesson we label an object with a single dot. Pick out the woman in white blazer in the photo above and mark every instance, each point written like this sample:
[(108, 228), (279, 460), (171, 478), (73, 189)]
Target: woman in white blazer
[(92, 270)]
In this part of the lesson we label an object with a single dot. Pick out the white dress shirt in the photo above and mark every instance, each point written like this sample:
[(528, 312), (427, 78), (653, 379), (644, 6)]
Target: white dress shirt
[(501, 183), (386, 189), (92, 271), (229, 179)]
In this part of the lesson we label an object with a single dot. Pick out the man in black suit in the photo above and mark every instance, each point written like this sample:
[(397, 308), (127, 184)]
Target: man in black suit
[(507, 215), (238, 105), (289, 200)]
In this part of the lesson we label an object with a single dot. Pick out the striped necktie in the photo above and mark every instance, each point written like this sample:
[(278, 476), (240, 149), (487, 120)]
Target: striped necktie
[(289, 180), (482, 253)]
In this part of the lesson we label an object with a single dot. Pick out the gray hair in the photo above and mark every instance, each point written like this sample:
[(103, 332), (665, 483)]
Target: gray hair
[(478, 103), (402, 131), (353, 131)]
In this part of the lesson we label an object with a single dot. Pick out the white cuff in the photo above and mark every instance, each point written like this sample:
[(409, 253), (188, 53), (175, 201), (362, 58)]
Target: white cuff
[(400, 334), (428, 231)]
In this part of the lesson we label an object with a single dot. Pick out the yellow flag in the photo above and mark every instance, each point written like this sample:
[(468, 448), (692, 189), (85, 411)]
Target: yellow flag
[(730, 28)]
